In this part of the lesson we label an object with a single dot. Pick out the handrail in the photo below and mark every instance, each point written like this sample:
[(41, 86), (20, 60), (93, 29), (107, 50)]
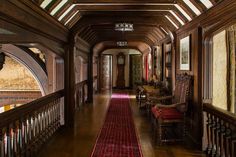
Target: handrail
[(80, 92), (23, 130), (222, 114), (18, 112), (220, 128), (81, 83)]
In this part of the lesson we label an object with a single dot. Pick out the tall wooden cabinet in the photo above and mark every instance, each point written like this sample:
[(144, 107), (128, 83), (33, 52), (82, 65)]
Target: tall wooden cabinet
[(120, 81)]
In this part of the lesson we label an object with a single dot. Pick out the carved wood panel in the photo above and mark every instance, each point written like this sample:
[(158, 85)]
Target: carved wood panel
[(106, 72), (136, 69)]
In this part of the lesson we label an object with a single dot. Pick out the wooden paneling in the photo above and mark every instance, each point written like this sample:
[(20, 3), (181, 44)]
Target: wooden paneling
[(194, 121), (106, 72), (30, 17)]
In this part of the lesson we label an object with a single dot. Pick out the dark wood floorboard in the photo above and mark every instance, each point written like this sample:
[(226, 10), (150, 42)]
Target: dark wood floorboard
[(79, 141)]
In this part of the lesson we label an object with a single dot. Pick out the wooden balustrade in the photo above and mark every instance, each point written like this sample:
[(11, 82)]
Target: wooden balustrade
[(220, 132), (24, 129), (81, 92)]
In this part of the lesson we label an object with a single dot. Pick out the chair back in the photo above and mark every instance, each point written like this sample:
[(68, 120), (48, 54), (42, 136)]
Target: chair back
[(183, 91)]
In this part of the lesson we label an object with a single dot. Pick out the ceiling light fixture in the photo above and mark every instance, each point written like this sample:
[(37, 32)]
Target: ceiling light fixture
[(122, 43), (124, 27)]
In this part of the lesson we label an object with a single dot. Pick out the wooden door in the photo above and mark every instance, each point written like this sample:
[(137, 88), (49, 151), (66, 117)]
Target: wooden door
[(135, 69), (106, 72)]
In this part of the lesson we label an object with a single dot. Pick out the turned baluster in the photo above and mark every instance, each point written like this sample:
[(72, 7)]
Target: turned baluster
[(58, 113), (15, 140), (4, 135), (208, 126), (53, 117), (47, 122), (40, 128), (34, 141), (19, 138), (2, 147), (218, 139), (8, 141), (233, 144), (29, 136), (33, 146), (212, 135), (227, 141), (223, 139), (44, 121), (24, 136)]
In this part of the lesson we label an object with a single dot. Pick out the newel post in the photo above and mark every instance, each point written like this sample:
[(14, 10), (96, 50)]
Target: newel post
[(69, 83)]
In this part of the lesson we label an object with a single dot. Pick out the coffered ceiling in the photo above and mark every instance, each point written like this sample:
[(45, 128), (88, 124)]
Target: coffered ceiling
[(153, 20)]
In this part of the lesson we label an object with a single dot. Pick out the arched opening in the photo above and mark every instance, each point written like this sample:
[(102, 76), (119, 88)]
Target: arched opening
[(17, 85), (120, 68), (30, 63), (28, 74)]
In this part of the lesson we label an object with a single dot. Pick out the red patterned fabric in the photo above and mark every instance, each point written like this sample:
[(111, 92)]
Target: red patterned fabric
[(166, 113), (118, 136)]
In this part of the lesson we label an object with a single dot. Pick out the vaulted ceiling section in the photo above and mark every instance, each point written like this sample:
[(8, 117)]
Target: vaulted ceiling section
[(153, 20)]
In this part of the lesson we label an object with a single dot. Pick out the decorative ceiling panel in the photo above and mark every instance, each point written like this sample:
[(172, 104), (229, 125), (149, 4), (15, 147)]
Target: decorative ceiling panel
[(166, 15)]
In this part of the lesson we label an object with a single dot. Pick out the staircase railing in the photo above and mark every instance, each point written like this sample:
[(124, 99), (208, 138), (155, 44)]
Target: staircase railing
[(220, 131), (24, 129)]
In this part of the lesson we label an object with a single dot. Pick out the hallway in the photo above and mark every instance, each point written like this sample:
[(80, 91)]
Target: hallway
[(79, 141)]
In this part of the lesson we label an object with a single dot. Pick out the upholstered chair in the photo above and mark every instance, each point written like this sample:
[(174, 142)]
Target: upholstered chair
[(169, 116)]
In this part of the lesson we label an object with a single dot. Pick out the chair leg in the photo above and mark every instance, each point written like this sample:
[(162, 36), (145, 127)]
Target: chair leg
[(160, 131), (184, 129)]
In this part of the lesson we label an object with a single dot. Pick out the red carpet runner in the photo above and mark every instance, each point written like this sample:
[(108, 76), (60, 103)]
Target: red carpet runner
[(118, 137)]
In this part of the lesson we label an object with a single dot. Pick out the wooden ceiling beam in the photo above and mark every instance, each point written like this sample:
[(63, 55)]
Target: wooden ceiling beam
[(122, 13), (39, 2), (84, 32), (180, 15), (109, 37), (90, 35), (186, 8), (140, 29), (62, 10), (90, 20), (199, 5), (74, 20), (54, 4), (174, 20), (160, 33), (64, 19), (137, 32), (157, 35), (124, 7), (121, 1), (213, 2)]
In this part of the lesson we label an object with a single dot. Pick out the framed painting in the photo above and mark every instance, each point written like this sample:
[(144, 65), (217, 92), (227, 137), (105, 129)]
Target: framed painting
[(185, 53)]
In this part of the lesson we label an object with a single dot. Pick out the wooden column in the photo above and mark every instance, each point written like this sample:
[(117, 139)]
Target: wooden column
[(90, 78), (69, 84)]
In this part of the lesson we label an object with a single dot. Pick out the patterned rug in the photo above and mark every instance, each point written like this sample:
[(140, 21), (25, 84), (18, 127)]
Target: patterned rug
[(118, 137)]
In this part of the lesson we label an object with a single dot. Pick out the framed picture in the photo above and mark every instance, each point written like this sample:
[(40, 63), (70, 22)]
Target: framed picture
[(185, 53)]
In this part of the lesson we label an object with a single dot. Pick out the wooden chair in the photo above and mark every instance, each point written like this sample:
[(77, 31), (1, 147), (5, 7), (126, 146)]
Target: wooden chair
[(151, 98), (168, 117)]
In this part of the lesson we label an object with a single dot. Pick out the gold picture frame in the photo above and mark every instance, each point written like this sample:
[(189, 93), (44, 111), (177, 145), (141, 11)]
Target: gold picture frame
[(185, 56)]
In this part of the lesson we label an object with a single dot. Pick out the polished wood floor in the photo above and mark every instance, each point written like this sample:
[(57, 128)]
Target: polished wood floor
[(79, 140)]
